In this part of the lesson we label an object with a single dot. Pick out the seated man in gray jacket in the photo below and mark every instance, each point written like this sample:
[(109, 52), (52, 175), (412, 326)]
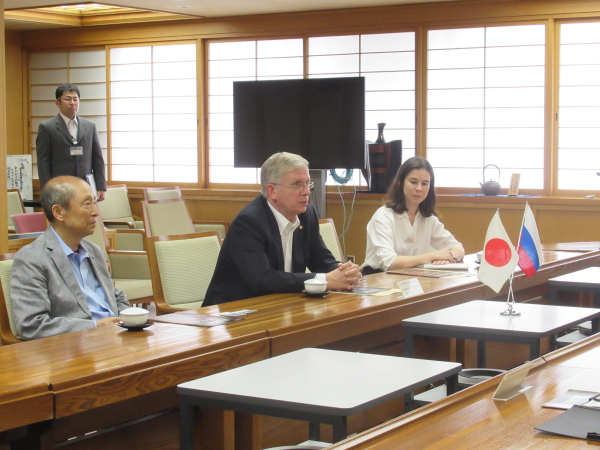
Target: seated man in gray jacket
[(60, 282)]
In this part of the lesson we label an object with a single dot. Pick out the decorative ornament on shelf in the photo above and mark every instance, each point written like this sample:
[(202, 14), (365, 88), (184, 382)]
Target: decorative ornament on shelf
[(380, 138)]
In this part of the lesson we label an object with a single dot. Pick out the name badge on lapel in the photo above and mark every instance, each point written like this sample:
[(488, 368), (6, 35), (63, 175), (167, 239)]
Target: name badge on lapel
[(76, 151)]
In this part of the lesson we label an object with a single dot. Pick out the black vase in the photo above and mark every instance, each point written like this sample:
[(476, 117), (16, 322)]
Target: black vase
[(380, 138)]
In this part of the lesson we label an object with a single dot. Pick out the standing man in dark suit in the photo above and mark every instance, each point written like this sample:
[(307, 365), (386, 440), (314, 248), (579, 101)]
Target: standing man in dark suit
[(68, 144), (275, 238)]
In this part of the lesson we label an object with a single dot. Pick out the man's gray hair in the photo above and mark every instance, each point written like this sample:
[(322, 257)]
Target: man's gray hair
[(58, 191), (277, 166)]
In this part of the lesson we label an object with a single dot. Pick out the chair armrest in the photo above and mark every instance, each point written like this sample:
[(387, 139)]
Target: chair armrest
[(219, 227), (128, 239), (129, 264), (118, 224), (163, 308)]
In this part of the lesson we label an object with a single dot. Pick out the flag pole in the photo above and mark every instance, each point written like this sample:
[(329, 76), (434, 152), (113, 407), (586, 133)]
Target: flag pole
[(510, 298), (521, 229)]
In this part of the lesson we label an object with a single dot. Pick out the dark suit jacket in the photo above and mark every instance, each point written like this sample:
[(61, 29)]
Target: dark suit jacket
[(53, 145), (251, 261), (46, 297)]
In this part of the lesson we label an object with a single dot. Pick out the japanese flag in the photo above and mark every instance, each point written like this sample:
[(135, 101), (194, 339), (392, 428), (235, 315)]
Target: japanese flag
[(499, 256)]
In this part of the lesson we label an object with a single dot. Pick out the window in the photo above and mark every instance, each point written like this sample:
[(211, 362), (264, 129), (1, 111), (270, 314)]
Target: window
[(579, 107), (485, 104), (240, 61), (86, 69), (387, 61), (153, 113)]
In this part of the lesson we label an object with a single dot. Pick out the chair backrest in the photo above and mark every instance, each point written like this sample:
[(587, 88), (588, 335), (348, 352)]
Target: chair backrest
[(14, 203), (166, 217), (29, 222), (330, 237), (181, 267), (162, 193), (99, 237), (7, 325), (115, 206)]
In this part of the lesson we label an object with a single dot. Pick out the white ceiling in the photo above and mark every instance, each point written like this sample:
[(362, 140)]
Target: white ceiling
[(222, 8)]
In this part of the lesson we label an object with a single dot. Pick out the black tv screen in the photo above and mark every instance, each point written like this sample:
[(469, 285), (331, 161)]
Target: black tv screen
[(321, 119)]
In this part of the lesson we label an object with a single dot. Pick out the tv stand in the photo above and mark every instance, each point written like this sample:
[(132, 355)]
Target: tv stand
[(318, 195)]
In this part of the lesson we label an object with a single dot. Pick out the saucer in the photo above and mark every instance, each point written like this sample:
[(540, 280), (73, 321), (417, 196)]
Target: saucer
[(316, 295), (138, 328)]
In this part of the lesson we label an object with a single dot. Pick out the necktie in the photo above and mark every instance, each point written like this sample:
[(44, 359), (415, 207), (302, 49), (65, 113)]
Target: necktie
[(73, 129)]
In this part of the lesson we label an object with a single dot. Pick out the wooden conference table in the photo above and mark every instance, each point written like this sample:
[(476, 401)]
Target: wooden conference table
[(107, 376), (471, 419)]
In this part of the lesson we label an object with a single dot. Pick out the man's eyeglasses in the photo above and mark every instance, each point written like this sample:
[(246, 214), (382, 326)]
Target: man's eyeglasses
[(70, 99), (298, 185)]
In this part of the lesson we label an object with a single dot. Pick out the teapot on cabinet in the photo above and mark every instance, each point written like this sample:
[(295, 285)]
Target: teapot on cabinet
[(491, 187)]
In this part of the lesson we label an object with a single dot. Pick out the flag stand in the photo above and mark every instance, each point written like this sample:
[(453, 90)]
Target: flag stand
[(510, 299)]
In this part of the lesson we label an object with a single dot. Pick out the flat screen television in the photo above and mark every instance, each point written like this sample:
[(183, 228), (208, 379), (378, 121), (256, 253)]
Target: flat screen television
[(321, 119)]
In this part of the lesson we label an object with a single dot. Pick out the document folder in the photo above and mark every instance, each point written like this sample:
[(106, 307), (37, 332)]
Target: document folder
[(576, 422)]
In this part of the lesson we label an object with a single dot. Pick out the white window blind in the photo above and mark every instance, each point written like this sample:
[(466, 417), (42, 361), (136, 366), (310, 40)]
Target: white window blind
[(387, 61), (87, 70), (485, 104), (579, 107), (239, 61), (154, 118)]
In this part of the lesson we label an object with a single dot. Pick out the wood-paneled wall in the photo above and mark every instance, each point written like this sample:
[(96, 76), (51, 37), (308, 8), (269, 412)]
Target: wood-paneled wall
[(558, 219)]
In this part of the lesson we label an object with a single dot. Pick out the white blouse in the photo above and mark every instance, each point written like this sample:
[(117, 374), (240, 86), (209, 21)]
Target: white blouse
[(390, 234)]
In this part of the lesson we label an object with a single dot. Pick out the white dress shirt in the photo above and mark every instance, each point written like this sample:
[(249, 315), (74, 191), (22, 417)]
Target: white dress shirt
[(390, 234), (72, 126), (286, 230)]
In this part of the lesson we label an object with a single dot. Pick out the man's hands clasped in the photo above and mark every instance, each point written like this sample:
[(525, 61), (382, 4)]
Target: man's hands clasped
[(345, 277)]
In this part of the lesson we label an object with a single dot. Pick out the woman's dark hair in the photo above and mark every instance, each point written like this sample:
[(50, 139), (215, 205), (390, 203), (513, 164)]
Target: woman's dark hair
[(395, 193)]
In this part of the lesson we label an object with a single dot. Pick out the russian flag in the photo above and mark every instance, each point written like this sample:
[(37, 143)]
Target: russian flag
[(530, 247)]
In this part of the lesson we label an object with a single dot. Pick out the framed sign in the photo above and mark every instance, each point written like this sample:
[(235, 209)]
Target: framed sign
[(19, 175)]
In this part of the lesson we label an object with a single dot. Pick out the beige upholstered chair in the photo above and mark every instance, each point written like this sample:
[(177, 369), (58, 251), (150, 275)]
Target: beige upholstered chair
[(14, 205), (115, 208), (330, 237), (170, 217), (166, 217), (182, 267), (129, 270), (7, 326), (219, 227), (162, 193), (116, 211)]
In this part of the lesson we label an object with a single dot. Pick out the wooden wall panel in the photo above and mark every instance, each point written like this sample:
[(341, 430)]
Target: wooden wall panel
[(3, 128), (15, 120), (560, 225), (559, 220)]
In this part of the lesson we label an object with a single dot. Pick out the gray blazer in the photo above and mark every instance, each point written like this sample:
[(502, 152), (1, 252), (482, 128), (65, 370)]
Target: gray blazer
[(46, 296), (53, 146)]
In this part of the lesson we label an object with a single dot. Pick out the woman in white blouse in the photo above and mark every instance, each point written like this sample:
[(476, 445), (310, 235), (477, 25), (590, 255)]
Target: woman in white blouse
[(403, 232)]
